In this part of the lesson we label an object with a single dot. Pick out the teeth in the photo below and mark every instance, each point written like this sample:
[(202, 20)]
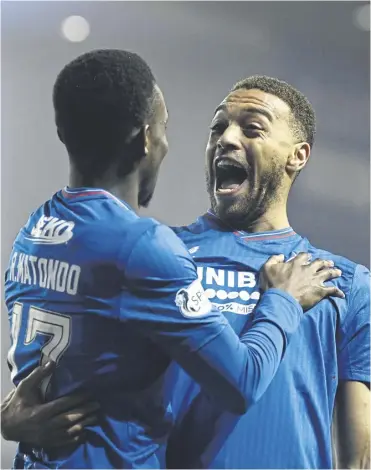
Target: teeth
[(226, 163)]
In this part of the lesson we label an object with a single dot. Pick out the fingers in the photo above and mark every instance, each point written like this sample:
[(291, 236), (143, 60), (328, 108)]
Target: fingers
[(69, 418), (83, 412), (32, 381), (301, 258), (58, 437), (319, 264), (332, 291), (328, 274), (68, 403), (63, 441), (73, 440), (275, 259), (78, 428), (71, 425)]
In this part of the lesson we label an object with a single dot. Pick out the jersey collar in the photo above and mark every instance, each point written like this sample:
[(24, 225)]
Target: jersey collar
[(250, 237), (75, 193)]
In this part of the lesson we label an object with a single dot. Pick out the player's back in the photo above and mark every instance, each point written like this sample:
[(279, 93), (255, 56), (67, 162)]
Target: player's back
[(64, 290)]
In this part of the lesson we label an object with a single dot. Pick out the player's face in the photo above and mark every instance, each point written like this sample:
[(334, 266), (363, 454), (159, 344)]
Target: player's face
[(249, 143), (156, 149)]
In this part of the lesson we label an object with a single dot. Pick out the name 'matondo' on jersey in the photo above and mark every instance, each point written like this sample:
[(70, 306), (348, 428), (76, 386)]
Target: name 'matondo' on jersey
[(46, 273)]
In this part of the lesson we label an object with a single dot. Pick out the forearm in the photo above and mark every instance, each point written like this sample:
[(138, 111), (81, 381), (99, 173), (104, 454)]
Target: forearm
[(237, 371), (277, 317), (352, 450), (351, 430), (355, 456)]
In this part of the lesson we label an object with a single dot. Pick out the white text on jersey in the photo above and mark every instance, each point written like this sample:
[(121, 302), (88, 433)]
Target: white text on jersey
[(45, 273), (222, 277), (51, 231), (230, 291)]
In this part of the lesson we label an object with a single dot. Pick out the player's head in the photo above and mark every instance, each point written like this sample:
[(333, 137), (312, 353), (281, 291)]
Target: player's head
[(260, 139), (111, 116)]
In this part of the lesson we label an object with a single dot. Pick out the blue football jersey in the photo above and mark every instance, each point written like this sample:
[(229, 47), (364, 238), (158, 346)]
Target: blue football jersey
[(290, 427), (112, 297)]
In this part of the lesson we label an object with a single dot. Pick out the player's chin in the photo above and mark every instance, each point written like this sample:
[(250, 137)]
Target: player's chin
[(232, 210)]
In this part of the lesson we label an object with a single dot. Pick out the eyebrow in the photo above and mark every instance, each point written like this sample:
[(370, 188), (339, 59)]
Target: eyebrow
[(252, 109)]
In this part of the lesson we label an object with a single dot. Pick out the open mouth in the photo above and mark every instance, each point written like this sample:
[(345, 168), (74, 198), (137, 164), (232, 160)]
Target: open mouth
[(229, 176)]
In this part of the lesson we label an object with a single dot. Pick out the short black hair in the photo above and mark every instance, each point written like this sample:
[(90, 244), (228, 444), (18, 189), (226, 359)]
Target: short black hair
[(99, 98), (304, 120)]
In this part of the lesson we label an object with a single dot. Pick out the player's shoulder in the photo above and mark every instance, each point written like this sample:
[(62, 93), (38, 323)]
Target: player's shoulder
[(159, 238), (59, 220), (354, 275), (354, 310), (158, 253), (341, 261), (99, 223), (200, 228), (203, 223)]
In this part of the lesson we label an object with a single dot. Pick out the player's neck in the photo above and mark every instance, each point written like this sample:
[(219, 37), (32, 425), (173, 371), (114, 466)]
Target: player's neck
[(269, 222), (126, 189), (274, 218)]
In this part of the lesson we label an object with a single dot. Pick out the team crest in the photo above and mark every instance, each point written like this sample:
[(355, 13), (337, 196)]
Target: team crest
[(192, 301)]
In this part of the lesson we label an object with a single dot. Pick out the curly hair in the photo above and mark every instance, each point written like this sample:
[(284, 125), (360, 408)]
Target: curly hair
[(99, 99)]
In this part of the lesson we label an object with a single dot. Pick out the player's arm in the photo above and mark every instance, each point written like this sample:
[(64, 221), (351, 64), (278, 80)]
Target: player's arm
[(168, 304), (351, 424)]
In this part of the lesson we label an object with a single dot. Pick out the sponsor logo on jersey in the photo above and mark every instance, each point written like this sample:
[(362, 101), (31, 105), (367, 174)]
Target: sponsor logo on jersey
[(193, 250), (192, 301), (230, 291), (51, 231)]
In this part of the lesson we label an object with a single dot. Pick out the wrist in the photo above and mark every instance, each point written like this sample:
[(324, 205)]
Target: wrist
[(285, 294)]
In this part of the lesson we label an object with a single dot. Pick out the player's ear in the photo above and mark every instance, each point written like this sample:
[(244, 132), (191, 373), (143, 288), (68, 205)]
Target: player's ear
[(137, 141), (298, 158), (147, 139)]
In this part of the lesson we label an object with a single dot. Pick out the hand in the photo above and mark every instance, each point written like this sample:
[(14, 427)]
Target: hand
[(25, 418), (301, 279)]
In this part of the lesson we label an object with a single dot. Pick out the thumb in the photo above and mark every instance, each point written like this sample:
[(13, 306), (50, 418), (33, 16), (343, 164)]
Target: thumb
[(275, 259), (33, 380)]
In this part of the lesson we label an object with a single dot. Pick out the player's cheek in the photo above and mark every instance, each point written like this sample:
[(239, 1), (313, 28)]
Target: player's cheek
[(210, 152)]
